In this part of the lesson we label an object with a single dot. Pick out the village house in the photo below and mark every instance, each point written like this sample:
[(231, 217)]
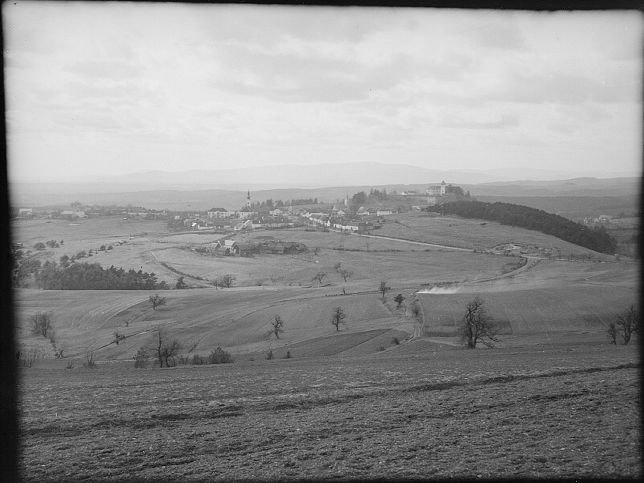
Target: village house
[(73, 214), (214, 213), (384, 212)]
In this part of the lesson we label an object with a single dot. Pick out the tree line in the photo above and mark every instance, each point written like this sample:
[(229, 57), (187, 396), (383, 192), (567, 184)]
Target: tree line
[(533, 219), (91, 276)]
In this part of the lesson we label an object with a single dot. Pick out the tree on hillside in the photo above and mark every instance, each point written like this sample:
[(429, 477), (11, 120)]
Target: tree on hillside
[(227, 280), (477, 325), (318, 277), (416, 310), (338, 318), (345, 274), (278, 326), (383, 289), (180, 284), (156, 301), (166, 349), (118, 337), (399, 300)]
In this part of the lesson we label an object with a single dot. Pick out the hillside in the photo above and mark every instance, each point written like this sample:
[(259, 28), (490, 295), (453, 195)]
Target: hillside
[(411, 252), (532, 219)]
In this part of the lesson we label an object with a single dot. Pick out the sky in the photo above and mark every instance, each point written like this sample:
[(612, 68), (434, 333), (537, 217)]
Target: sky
[(100, 89)]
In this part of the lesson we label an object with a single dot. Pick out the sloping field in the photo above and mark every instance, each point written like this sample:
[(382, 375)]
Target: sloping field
[(343, 343), (542, 310), (469, 233), (238, 319), (398, 268)]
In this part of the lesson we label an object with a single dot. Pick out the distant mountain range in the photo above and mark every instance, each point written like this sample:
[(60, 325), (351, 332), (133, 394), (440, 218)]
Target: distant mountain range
[(318, 176), (620, 193)]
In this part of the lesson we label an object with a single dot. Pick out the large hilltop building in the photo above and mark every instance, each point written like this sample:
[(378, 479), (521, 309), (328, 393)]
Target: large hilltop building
[(441, 193)]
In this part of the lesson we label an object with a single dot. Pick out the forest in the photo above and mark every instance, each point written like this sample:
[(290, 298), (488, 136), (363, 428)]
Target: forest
[(91, 276)]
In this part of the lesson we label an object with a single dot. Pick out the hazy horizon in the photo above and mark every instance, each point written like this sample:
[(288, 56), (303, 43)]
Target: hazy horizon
[(101, 90)]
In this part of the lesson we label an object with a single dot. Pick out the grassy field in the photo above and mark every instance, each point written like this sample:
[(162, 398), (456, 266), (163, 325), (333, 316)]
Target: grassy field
[(409, 412)]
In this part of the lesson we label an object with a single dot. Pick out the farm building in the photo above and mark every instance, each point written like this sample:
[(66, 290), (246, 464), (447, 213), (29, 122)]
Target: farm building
[(230, 247)]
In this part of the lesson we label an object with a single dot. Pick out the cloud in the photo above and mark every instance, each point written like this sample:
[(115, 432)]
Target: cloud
[(493, 122), (292, 78), (495, 32), (105, 70), (562, 88)]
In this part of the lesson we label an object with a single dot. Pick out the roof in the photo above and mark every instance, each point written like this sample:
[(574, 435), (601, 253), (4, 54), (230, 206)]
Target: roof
[(218, 209)]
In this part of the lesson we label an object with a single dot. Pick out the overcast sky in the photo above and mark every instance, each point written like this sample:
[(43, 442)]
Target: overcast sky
[(101, 89)]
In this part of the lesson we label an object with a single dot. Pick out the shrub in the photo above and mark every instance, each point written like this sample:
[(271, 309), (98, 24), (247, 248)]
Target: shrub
[(197, 360), (70, 364), (39, 246), (269, 355), (395, 341), (42, 324), (89, 361), (219, 356), (141, 358), (27, 357)]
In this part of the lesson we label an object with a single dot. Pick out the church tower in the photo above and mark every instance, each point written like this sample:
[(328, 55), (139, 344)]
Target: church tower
[(248, 199)]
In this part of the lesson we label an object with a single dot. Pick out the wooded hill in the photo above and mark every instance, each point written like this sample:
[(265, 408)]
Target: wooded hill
[(532, 219)]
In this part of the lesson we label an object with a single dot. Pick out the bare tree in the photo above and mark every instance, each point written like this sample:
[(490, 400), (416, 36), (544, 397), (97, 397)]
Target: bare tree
[(627, 323), (42, 324), (383, 289), (156, 301), (612, 332), (477, 325), (118, 337), (141, 358), (318, 277), (278, 326), (166, 349), (399, 300), (345, 274), (338, 318), (337, 266)]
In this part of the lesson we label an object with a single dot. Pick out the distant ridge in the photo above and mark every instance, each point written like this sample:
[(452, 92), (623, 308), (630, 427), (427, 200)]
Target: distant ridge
[(324, 175), (52, 194)]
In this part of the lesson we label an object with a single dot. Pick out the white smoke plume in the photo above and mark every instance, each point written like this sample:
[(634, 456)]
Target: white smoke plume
[(441, 290)]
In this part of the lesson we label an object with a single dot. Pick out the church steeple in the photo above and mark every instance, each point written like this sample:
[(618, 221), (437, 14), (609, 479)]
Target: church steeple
[(248, 199)]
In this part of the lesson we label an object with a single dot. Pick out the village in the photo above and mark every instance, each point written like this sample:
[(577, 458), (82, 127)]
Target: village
[(359, 214)]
